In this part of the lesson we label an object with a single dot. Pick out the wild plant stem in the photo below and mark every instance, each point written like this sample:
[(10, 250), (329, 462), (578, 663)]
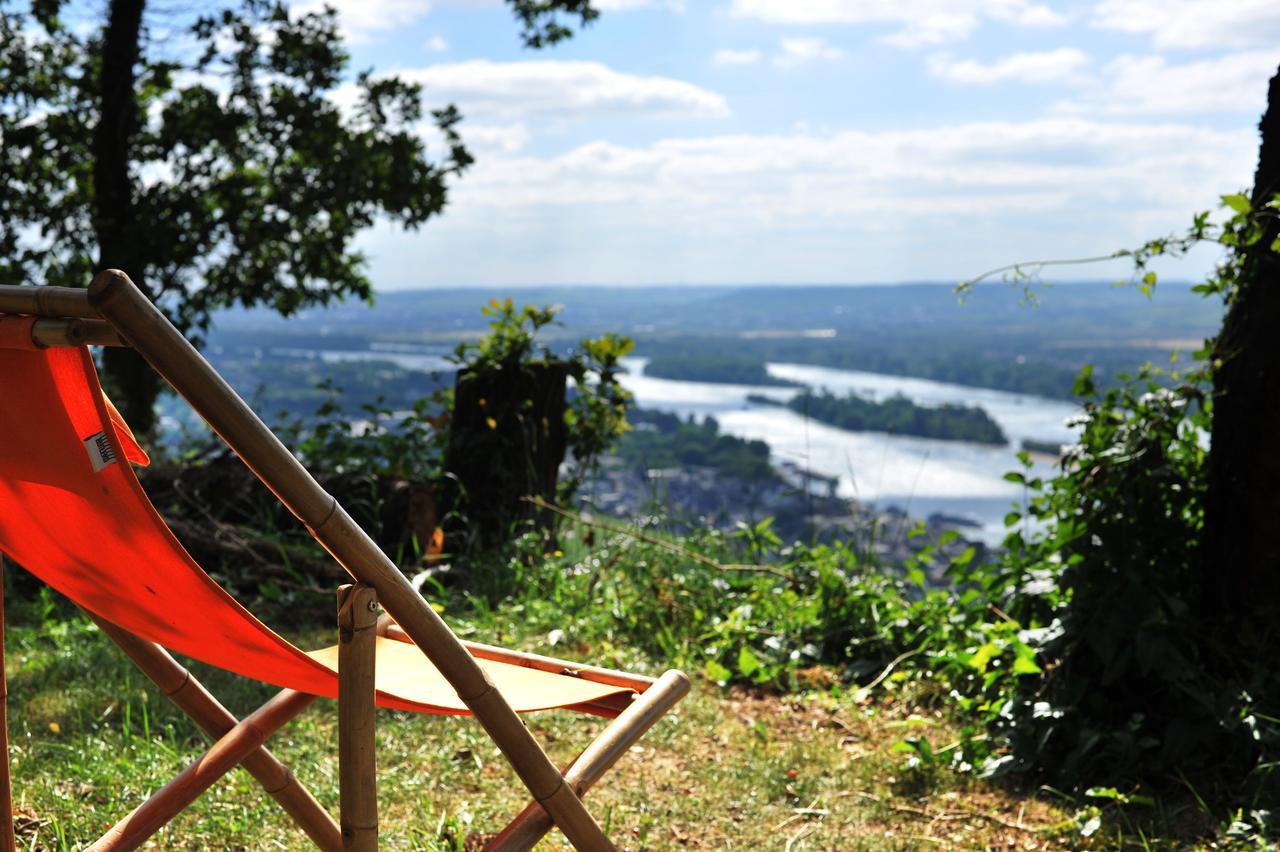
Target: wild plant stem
[(657, 542)]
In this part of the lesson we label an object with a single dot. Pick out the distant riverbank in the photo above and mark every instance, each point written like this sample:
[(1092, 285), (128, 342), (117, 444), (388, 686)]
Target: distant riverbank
[(725, 369), (895, 415)]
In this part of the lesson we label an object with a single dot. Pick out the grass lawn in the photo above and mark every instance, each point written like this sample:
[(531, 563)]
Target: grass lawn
[(91, 738)]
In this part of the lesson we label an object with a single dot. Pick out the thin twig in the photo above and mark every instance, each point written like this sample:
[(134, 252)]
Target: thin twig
[(654, 540), (888, 670), (1003, 615), (1040, 264), (224, 528), (961, 813), (797, 837), (899, 808)]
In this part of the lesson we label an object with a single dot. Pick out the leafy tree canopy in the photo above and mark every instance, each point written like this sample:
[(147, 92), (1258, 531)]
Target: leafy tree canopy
[(230, 162)]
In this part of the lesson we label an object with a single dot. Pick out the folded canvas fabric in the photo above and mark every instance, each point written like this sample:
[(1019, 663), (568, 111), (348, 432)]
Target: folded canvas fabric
[(74, 514)]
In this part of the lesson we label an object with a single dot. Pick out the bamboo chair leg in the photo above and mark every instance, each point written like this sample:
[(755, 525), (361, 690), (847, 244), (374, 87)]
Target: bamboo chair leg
[(167, 802), (7, 843), (192, 698), (533, 822), (152, 336), (357, 779)]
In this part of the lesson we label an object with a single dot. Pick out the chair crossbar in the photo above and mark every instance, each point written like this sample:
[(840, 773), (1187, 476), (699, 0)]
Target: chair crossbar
[(192, 698), (532, 824), (223, 756)]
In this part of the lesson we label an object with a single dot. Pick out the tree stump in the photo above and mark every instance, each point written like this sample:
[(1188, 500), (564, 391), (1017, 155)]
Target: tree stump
[(507, 439)]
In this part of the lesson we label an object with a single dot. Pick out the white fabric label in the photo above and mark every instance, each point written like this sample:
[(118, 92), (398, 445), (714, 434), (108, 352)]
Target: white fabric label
[(99, 450)]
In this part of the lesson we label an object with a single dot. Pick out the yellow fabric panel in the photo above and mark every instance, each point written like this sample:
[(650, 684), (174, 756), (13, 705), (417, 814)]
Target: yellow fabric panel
[(403, 672)]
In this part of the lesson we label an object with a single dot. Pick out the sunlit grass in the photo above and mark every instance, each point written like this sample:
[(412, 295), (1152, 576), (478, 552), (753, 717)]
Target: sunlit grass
[(92, 738)]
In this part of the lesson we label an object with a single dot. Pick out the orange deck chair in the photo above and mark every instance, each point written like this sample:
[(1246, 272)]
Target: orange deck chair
[(73, 513)]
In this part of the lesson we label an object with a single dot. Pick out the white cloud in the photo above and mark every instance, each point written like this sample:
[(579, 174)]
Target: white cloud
[(1194, 23), (939, 202), (1066, 64), (922, 22), (971, 169), (1236, 82), (799, 51), (436, 44), (364, 20), (735, 57), (563, 90), (629, 5), (504, 138)]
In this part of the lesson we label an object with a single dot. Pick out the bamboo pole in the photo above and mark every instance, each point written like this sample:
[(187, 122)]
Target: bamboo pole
[(151, 334), (49, 331), (238, 743), (46, 301), (532, 823), (595, 674), (7, 843), (357, 770), (182, 688)]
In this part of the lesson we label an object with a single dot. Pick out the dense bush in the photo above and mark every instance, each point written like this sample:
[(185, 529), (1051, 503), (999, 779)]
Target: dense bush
[(1137, 686)]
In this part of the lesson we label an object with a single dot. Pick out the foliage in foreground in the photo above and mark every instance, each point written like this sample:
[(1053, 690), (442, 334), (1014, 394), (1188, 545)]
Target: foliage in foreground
[(728, 769), (1140, 687)]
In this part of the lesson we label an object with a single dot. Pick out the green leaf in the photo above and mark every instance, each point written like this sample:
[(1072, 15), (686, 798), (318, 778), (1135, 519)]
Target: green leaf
[(916, 574), (1148, 284), (1237, 202), (1025, 665), (748, 663), (1084, 382), (717, 672), (981, 657)]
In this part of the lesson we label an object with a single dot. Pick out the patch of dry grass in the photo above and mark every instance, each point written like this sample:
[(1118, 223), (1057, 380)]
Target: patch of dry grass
[(727, 770)]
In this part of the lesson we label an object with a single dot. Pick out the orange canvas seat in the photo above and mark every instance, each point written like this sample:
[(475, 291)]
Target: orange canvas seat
[(73, 513)]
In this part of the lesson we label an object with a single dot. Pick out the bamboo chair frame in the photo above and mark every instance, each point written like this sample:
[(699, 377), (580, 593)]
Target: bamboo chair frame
[(114, 312)]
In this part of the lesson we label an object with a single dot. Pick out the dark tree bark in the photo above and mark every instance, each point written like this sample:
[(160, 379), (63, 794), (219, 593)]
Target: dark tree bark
[(133, 384), (507, 439), (1242, 525)]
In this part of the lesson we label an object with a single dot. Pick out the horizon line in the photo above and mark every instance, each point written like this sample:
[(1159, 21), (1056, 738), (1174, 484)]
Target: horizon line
[(774, 285)]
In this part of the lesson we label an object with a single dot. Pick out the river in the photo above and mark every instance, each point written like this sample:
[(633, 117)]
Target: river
[(919, 475)]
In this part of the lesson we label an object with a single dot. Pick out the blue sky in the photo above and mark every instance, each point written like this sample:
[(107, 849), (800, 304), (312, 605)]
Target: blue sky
[(841, 141)]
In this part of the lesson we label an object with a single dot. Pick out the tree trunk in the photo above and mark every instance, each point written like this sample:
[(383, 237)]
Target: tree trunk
[(1241, 544), (132, 384), (507, 438)]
